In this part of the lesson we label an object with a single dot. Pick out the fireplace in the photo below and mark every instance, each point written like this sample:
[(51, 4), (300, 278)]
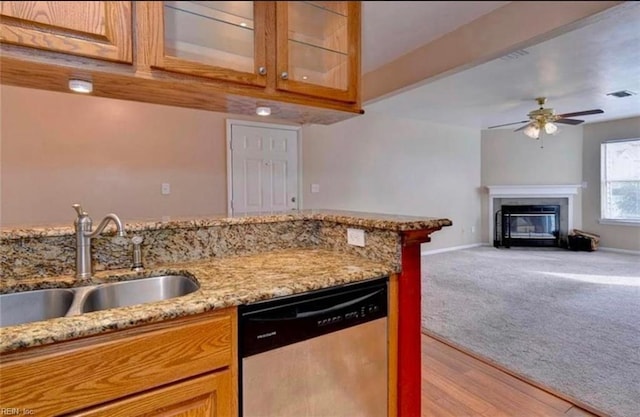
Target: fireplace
[(533, 222), (527, 225)]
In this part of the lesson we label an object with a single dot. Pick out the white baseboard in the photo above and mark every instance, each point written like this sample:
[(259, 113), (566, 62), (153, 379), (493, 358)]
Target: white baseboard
[(605, 249), (627, 251), (434, 251)]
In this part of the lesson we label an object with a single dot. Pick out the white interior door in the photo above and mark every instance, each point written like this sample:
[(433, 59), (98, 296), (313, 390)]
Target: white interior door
[(264, 169)]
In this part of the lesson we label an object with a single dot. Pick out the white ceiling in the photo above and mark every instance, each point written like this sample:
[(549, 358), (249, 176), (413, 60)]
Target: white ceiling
[(391, 29), (574, 71)]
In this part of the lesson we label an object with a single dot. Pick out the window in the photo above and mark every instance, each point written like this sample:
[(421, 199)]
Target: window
[(620, 180)]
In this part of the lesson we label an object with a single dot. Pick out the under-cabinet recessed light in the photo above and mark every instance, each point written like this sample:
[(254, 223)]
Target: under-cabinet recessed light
[(304, 77), (243, 24), (263, 111), (81, 86)]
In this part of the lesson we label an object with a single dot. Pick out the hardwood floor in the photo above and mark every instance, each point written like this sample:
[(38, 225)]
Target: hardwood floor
[(455, 384)]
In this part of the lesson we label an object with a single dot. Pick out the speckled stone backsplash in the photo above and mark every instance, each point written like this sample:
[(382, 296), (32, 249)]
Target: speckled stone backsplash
[(380, 245), (50, 251), (41, 256), (37, 256)]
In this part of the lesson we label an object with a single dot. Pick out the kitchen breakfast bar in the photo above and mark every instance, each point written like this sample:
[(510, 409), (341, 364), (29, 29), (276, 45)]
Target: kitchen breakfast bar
[(236, 260)]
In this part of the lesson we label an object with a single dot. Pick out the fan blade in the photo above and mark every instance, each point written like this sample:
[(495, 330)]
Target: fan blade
[(581, 113), (523, 127), (508, 124), (569, 121)]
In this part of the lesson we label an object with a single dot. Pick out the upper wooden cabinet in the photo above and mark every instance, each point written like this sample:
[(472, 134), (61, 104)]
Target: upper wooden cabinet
[(215, 39), (301, 58), (310, 48), (96, 29), (318, 48)]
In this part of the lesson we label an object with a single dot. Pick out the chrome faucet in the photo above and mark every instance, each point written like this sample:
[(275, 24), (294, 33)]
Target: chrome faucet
[(84, 234)]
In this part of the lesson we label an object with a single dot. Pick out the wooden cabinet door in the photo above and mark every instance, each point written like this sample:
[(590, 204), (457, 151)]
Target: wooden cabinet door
[(318, 48), (220, 39), (78, 374), (96, 29), (205, 396)]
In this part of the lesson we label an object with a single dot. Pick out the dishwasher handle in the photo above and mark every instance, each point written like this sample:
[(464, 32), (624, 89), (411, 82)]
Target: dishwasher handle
[(337, 307), (291, 312)]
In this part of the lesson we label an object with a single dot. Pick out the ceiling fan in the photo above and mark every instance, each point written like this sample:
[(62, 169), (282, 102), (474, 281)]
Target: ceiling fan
[(543, 119)]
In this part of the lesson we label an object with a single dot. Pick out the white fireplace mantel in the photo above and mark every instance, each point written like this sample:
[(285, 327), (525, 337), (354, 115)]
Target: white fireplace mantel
[(499, 191), (532, 191)]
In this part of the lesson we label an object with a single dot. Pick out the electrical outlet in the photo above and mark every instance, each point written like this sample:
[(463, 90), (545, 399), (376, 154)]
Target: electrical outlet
[(315, 188), (166, 188), (473, 229), (355, 237)]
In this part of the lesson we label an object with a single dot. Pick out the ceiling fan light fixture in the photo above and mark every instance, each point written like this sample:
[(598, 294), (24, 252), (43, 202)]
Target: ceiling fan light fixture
[(533, 131), (550, 128)]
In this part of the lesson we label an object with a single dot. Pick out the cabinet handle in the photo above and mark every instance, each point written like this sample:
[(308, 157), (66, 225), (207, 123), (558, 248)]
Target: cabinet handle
[(262, 71), (284, 75)]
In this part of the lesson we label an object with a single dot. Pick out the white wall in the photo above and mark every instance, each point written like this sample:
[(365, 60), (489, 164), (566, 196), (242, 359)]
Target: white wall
[(377, 163), (510, 158), (618, 236), (109, 155)]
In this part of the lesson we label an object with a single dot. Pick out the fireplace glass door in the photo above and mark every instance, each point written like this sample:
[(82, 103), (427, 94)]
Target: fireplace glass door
[(535, 225)]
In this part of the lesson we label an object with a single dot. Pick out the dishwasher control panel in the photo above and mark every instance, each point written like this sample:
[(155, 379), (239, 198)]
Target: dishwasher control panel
[(268, 325), (361, 313)]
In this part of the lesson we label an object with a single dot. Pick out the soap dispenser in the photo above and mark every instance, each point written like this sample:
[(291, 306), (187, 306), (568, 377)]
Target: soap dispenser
[(137, 254)]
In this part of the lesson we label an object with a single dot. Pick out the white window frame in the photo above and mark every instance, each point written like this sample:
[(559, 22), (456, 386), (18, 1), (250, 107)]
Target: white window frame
[(603, 187)]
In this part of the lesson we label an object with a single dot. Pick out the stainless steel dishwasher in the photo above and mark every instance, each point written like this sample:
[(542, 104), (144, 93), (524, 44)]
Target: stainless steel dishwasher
[(318, 354)]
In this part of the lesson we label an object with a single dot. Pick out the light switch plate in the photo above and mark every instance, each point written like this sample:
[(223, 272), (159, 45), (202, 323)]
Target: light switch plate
[(166, 188), (355, 237), (315, 188)]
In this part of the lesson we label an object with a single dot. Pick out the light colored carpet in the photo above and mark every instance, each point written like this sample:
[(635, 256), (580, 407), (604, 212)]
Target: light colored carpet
[(568, 320)]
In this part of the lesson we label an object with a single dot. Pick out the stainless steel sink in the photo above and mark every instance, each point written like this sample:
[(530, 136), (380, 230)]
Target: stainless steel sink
[(29, 306), (37, 305), (139, 291)]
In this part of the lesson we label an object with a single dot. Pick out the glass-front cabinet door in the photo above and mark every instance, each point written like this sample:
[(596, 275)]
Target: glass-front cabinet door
[(318, 48), (213, 39)]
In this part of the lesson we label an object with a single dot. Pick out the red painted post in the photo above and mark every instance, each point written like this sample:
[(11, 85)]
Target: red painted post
[(409, 324)]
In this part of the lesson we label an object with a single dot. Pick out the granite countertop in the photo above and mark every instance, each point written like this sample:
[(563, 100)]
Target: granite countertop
[(397, 223), (224, 282)]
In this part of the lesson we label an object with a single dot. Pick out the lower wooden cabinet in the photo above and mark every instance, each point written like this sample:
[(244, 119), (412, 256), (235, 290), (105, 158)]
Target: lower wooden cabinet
[(205, 396), (182, 367)]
